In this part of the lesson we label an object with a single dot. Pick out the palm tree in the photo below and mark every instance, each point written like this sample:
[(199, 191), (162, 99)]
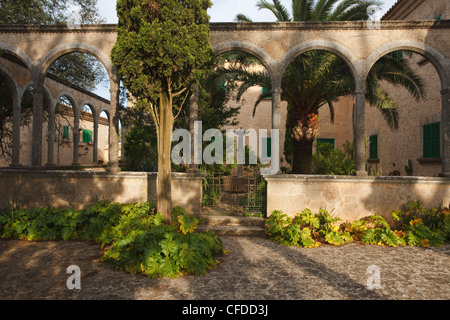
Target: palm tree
[(317, 78)]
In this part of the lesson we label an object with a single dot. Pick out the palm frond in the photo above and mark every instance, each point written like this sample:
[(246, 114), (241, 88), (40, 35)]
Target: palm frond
[(301, 10), (242, 18), (359, 11), (278, 10), (380, 99), (341, 8), (261, 97), (399, 72), (322, 9)]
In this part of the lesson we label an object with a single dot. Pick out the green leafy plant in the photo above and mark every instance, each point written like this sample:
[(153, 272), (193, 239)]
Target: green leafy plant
[(306, 229), (137, 238), (409, 168), (330, 161), (423, 227), (415, 226), (380, 233)]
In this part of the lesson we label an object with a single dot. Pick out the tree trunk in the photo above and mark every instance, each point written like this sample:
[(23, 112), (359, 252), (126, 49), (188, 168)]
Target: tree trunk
[(302, 157), (164, 136), (303, 126)]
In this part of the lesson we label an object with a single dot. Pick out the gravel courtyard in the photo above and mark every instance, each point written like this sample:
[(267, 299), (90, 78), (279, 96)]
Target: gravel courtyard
[(252, 269)]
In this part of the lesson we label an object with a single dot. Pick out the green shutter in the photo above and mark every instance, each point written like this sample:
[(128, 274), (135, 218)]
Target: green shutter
[(373, 148), (66, 132), (331, 141), (432, 141), (87, 136)]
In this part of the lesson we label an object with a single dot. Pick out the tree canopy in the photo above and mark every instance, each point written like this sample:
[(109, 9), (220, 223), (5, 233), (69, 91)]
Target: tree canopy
[(47, 12), (162, 51)]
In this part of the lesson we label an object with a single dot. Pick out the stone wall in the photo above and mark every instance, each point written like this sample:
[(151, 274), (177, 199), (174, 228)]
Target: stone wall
[(351, 198), (78, 189)]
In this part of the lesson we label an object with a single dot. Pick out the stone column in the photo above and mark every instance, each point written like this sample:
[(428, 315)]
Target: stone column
[(123, 140), (360, 132), (51, 137), (95, 151), (16, 133), (114, 130), (76, 138), (193, 117), (276, 108), (276, 115), (38, 106), (445, 128)]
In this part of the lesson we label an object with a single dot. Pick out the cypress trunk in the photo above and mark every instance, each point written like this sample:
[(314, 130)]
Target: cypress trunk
[(164, 133)]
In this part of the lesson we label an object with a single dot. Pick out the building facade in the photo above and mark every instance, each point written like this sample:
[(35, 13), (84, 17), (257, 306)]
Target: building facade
[(415, 148)]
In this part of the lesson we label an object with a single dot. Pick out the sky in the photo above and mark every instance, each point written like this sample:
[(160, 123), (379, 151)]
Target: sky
[(222, 10)]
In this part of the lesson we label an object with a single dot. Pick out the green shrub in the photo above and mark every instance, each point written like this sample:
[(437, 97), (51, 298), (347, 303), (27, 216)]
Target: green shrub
[(423, 227), (138, 239), (330, 161), (415, 226), (306, 229)]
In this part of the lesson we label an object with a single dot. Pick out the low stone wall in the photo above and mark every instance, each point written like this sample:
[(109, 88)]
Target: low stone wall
[(79, 189), (351, 198)]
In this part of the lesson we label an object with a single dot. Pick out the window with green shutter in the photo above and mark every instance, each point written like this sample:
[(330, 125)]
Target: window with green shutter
[(373, 147), (331, 141), (432, 141), (65, 132), (87, 136)]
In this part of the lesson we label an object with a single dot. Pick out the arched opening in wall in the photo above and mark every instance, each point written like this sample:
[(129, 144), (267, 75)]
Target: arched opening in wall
[(85, 78), (103, 137), (237, 95), (65, 131), (87, 135), (14, 74), (239, 91), (404, 139), (240, 87), (81, 72), (6, 120), (318, 87)]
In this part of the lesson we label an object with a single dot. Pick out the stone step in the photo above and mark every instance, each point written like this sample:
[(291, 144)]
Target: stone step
[(234, 231), (223, 220), (224, 225)]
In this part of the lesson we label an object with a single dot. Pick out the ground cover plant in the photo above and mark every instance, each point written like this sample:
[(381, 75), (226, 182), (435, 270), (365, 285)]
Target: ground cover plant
[(413, 226), (135, 238)]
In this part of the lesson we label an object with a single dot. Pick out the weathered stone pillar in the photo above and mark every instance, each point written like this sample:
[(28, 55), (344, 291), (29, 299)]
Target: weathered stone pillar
[(276, 115), (276, 108), (95, 151), (76, 138), (16, 132), (123, 140), (445, 127), (193, 117), (38, 106), (360, 133), (114, 130), (51, 137)]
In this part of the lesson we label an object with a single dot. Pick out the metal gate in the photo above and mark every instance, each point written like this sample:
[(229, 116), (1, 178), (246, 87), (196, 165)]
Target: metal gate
[(241, 195)]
